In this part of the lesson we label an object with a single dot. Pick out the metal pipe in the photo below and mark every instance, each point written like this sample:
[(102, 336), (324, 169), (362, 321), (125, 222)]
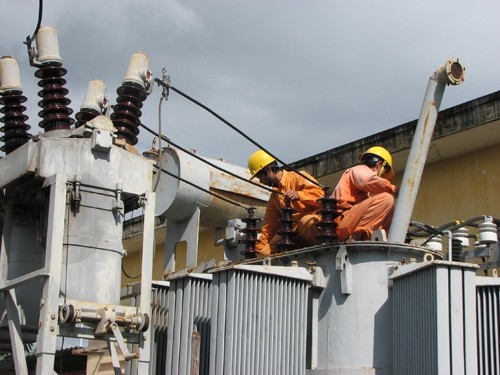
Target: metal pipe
[(449, 237), (450, 73)]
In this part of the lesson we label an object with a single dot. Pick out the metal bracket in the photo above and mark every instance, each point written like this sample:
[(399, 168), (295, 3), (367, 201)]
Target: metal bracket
[(101, 140), (343, 265), (106, 325), (121, 342), (76, 196), (118, 207)]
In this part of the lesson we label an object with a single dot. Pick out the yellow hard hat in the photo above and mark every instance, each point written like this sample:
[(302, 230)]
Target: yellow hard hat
[(385, 156), (259, 160)]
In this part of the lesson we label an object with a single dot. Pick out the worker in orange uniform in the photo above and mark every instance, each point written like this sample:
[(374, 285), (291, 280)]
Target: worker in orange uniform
[(302, 194), (365, 196)]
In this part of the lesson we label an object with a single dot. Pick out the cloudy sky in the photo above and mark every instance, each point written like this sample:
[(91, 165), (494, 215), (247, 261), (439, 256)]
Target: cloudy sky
[(298, 77)]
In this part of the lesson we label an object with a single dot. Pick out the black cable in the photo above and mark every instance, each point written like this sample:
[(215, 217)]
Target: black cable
[(208, 162), (160, 82), (427, 228), (207, 191), (29, 39), (128, 275)]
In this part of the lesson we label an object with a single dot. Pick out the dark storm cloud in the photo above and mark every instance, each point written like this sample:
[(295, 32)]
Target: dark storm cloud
[(299, 77)]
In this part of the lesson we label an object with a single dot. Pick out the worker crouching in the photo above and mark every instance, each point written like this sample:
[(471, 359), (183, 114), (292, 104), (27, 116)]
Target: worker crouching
[(303, 193), (365, 196)]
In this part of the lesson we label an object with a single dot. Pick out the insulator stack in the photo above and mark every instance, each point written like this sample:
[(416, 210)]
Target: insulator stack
[(85, 115), (15, 128), (127, 112), (94, 104), (286, 231), (327, 225), (250, 232), (456, 250), (55, 113)]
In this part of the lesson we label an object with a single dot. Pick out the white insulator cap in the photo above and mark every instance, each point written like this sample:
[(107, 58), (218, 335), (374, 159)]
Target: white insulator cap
[(138, 69), (47, 46), (462, 234), (488, 231), (10, 79), (95, 97), (435, 243)]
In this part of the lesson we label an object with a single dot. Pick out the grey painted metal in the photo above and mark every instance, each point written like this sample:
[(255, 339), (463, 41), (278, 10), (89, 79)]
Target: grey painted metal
[(71, 157), (15, 332), (188, 208), (353, 332), (21, 259), (159, 320), (177, 200), (452, 72), (488, 325), (355, 322), (49, 304), (259, 316), (148, 246), (93, 249), (189, 308), (89, 231), (434, 328), (157, 339), (186, 230)]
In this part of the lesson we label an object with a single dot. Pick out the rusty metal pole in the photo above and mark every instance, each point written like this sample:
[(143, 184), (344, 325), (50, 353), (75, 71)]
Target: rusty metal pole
[(195, 353), (451, 72)]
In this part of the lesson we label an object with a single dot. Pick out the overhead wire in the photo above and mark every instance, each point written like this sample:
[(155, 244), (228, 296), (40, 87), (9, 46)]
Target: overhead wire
[(206, 191), (164, 96), (30, 39), (167, 84), (168, 140)]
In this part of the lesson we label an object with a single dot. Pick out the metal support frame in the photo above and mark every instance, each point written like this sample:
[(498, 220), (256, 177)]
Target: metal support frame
[(148, 246), (49, 305), (9, 295), (343, 265), (49, 328), (186, 230), (50, 273)]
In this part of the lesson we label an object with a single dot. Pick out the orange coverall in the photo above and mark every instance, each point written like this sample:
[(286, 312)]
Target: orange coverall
[(305, 217), (367, 202)]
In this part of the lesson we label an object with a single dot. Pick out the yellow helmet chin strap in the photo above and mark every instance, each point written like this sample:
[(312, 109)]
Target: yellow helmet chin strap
[(382, 168)]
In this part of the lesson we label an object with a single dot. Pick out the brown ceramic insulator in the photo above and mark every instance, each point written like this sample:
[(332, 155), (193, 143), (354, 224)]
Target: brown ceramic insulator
[(286, 231), (15, 129), (250, 232), (327, 225), (85, 115), (127, 112), (55, 112)]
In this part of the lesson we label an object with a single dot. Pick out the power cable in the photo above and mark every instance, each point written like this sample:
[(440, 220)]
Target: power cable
[(29, 39), (168, 140), (165, 84), (207, 191)]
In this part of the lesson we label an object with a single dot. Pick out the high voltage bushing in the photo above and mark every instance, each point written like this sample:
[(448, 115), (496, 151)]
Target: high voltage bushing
[(286, 232), (127, 112), (55, 111), (250, 232), (94, 104), (327, 225), (15, 128), (133, 91)]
